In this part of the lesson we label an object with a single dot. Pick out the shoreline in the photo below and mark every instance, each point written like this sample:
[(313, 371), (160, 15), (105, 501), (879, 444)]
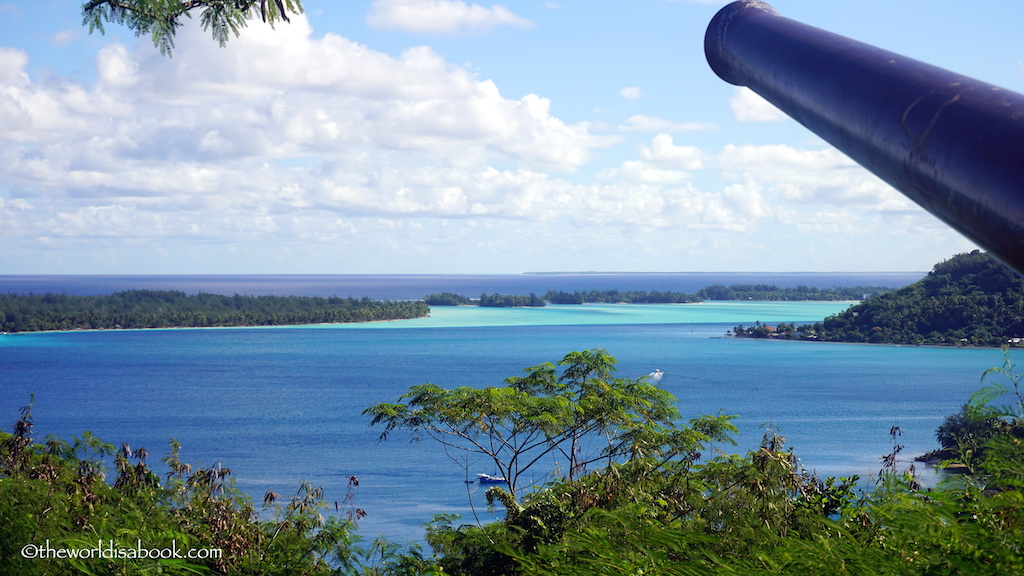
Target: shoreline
[(890, 344), (718, 313), (239, 326)]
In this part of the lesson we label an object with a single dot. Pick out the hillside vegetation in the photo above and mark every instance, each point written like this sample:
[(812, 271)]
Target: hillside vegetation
[(970, 299)]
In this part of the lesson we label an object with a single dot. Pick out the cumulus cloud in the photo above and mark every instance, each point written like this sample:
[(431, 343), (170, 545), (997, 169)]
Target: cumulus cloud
[(642, 123), (116, 67), (639, 172), (810, 190), (747, 106), (280, 135), (746, 197), (12, 66), (297, 147), (664, 152), (441, 16), (803, 176), (660, 163)]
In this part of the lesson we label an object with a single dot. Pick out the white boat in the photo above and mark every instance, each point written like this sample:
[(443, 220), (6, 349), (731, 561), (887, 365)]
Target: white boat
[(488, 479), (656, 376)]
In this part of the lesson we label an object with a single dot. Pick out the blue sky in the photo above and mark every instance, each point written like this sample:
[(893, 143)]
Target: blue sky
[(441, 136)]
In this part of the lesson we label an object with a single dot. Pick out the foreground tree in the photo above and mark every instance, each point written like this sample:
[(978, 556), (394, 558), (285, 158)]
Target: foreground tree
[(581, 416), (160, 19)]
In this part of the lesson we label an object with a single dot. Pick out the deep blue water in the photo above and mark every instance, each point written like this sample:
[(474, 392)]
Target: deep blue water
[(282, 405)]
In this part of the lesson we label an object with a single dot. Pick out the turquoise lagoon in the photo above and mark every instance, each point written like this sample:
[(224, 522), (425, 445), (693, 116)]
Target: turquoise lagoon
[(283, 405), (617, 314)]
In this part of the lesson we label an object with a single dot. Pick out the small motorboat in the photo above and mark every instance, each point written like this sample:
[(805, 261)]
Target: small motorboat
[(656, 376), (488, 479)]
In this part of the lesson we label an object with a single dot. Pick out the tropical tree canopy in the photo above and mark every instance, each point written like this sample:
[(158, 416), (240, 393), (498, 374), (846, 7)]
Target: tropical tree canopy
[(568, 420), (160, 19)]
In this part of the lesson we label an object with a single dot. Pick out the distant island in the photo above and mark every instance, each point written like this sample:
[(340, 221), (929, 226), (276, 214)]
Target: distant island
[(771, 293), (176, 309), (969, 300), (485, 300), (758, 292), (133, 309), (616, 296)]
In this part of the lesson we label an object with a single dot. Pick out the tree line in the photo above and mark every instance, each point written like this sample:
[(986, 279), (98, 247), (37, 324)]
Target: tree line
[(759, 292), (494, 300), (510, 300), (770, 292), (617, 296), (171, 308)]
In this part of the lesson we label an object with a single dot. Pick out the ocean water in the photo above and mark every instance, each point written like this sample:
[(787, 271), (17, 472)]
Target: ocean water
[(283, 405)]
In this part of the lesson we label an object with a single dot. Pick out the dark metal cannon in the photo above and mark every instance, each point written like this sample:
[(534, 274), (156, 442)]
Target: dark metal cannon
[(952, 144)]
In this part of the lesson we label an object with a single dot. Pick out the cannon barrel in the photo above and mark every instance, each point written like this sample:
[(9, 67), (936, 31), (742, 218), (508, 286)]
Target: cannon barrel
[(952, 144)]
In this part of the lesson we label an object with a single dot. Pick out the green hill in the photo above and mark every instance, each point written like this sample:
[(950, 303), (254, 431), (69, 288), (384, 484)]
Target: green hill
[(970, 299)]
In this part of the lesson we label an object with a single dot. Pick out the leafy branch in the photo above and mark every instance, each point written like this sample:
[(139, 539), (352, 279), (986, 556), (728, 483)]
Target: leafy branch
[(160, 19)]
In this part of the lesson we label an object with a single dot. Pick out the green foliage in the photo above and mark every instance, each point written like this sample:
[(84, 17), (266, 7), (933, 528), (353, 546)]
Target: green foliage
[(447, 299), (579, 417), (963, 435), (651, 516), (170, 308), (758, 514), (617, 296), (758, 330), (160, 19), (771, 292), (510, 300), (995, 390), (970, 299), (56, 495), (752, 515)]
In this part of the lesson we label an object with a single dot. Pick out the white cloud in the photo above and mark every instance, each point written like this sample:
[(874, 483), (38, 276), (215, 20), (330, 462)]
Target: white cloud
[(306, 151), (664, 152), (279, 134), (116, 67), (748, 106), (12, 66), (661, 163), (631, 93), (441, 16), (642, 123), (746, 197), (638, 172), (802, 176)]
